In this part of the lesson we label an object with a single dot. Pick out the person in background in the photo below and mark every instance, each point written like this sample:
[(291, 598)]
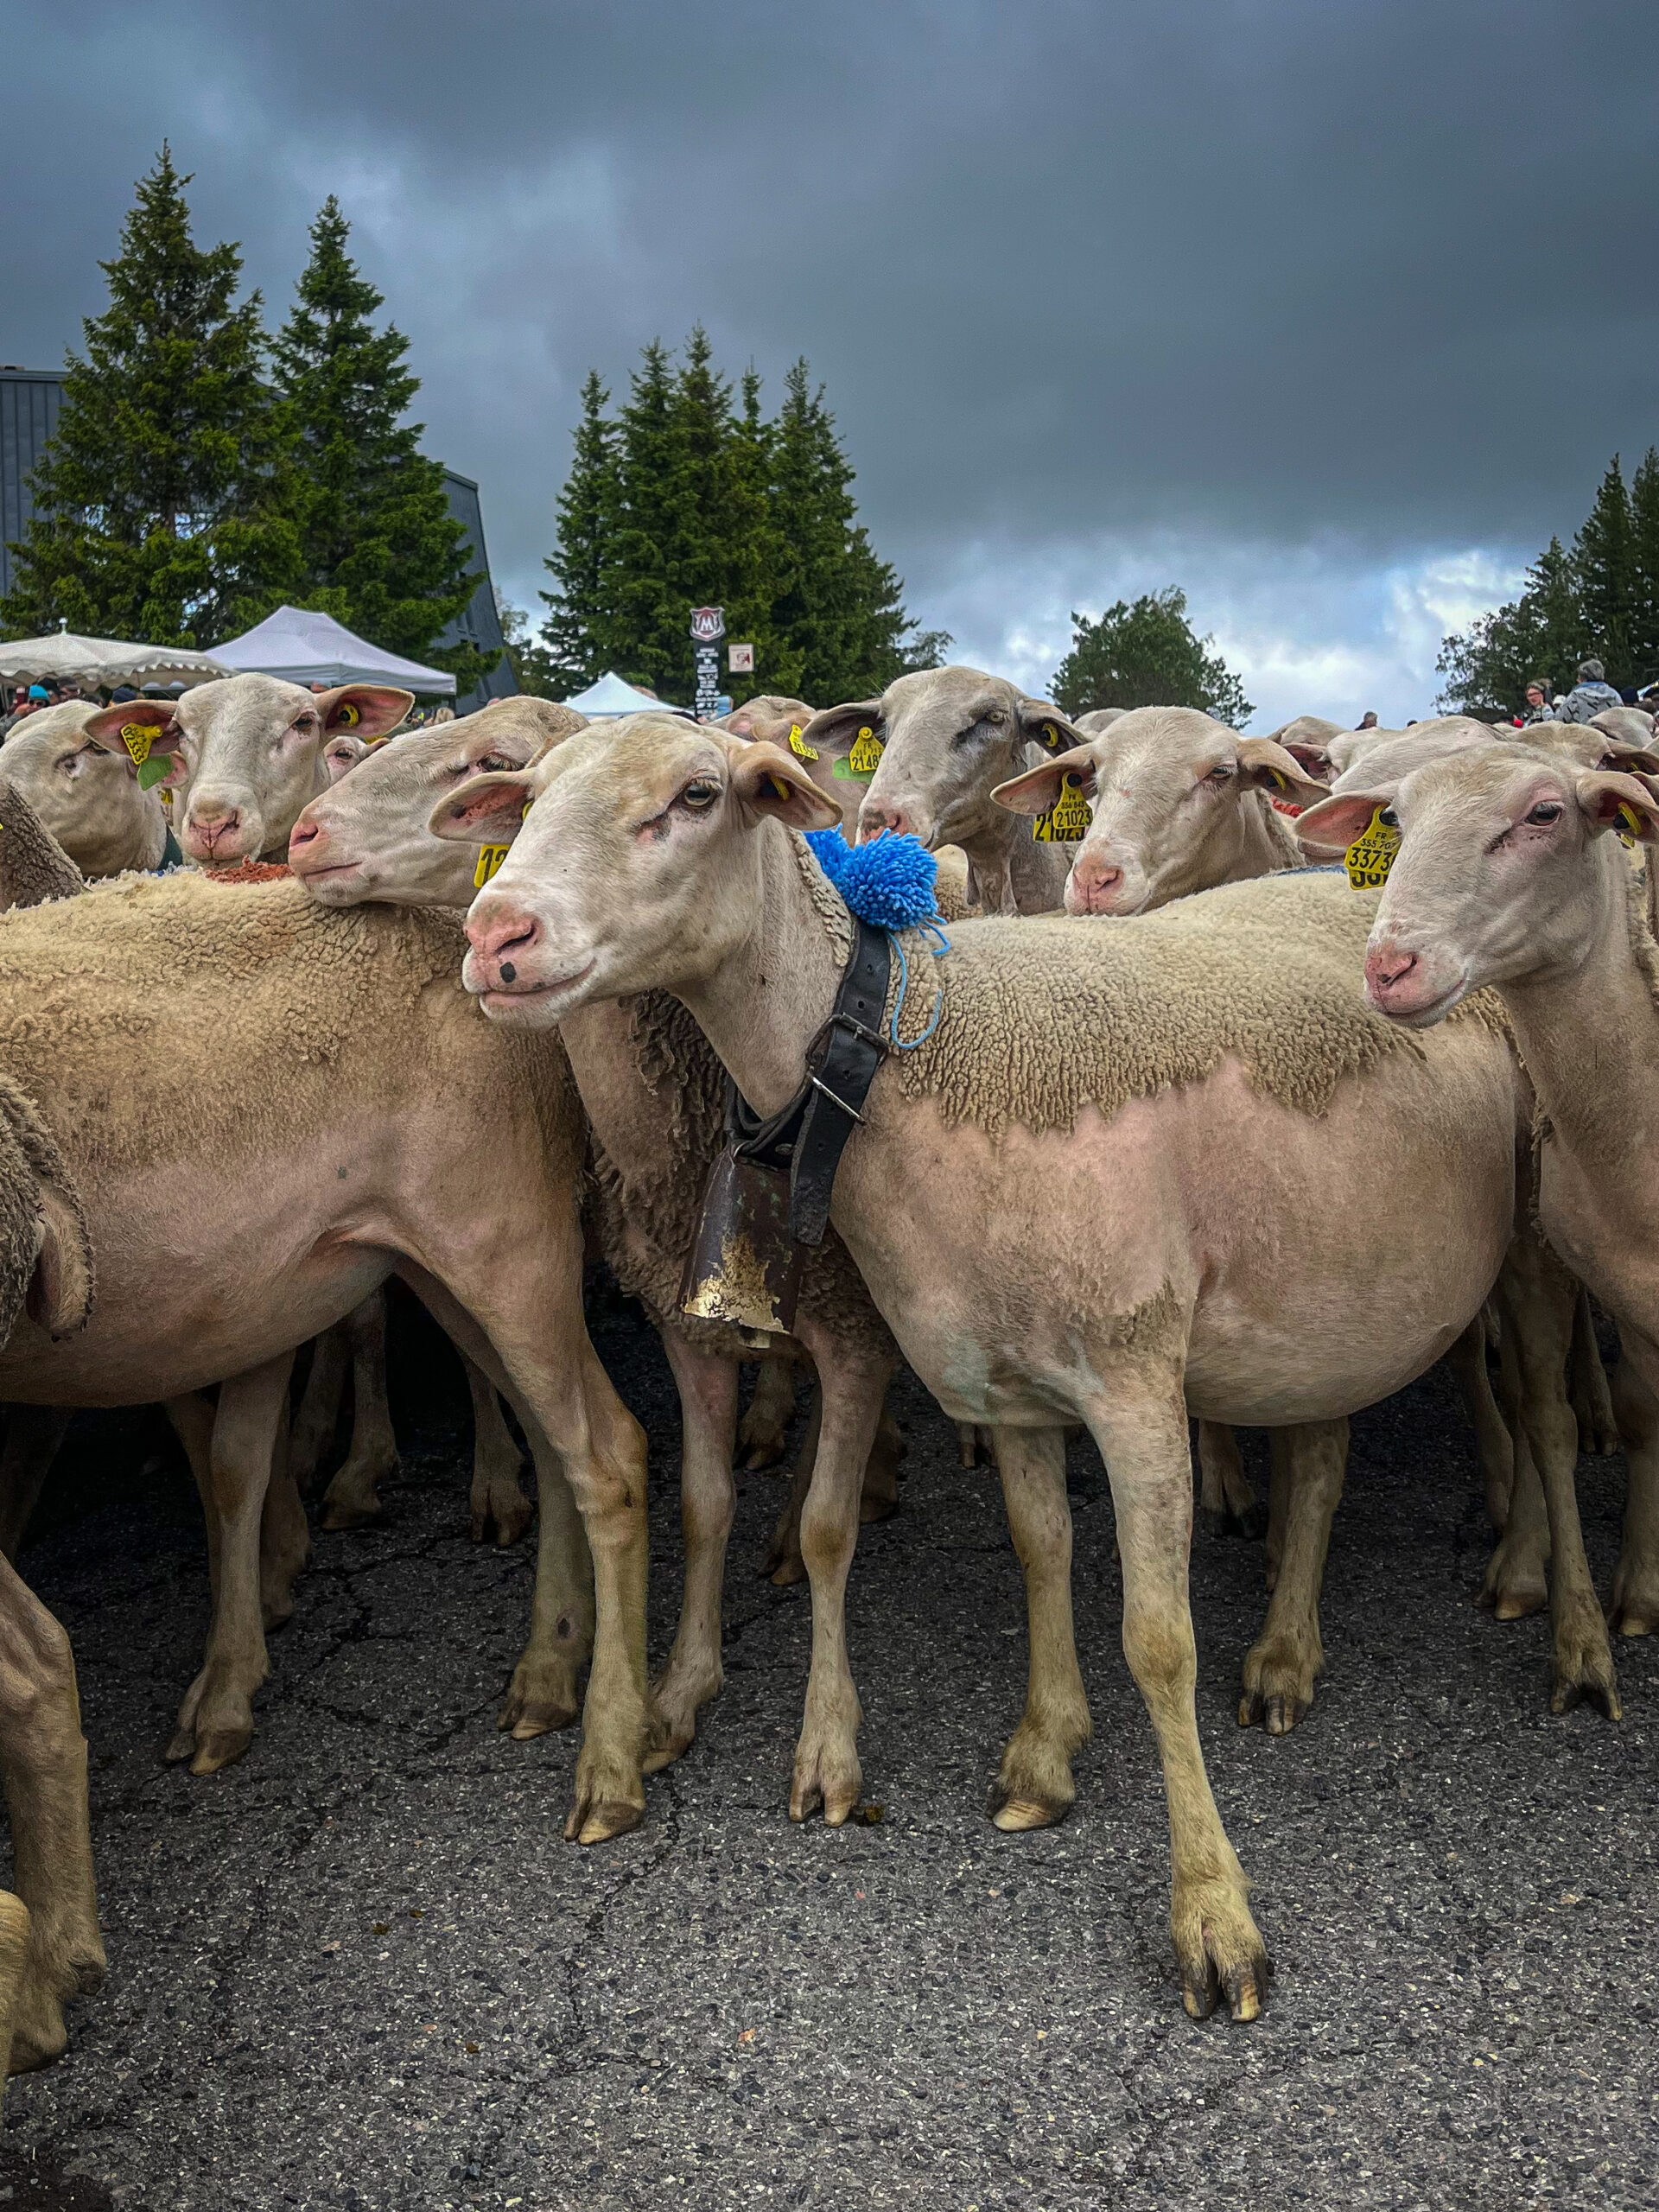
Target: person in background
[(1591, 695), (121, 693), (1538, 707), (1367, 721)]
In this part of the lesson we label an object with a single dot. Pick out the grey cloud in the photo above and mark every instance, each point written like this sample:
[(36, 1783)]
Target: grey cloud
[(1255, 275)]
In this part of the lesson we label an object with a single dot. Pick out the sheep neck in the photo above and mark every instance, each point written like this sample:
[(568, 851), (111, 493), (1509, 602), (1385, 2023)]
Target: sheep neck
[(1589, 1037), (766, 1000)]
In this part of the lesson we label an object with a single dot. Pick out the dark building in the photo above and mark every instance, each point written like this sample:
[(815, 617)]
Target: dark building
[(28, 415)]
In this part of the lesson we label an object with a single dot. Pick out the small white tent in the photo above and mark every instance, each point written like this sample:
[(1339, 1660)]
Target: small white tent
[(611, 695), (107, 661), (309, 648)]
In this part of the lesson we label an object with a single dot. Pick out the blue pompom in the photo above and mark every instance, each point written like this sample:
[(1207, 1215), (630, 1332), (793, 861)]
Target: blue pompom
[(889, 884)]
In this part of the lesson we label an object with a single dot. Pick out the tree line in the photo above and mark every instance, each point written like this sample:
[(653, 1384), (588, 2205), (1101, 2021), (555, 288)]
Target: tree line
[(204, 472), (1599, 597)]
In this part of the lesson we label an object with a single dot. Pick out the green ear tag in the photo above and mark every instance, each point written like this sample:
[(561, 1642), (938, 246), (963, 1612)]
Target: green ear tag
[(1067, 821), (799, 745), (137, 737), (490, 858), (155, 772), (1370, 857)]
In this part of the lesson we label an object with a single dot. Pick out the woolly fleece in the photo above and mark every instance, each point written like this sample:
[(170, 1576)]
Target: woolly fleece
[(30, 1157), (33, 865)]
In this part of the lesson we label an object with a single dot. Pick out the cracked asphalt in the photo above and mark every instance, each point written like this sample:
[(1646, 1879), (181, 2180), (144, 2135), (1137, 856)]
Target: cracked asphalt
[(361, 1970)]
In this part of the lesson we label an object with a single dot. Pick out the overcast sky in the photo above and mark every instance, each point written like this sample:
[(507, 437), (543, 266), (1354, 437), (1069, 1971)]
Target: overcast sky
[(1331, 312)]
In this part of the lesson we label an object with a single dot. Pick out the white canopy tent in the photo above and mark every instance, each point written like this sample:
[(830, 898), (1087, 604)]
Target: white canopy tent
[(611, 696), (107, 661), (303, 647)]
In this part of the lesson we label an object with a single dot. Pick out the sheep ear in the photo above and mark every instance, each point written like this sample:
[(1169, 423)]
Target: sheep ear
[(1041, 724), (768, 781), (1037, 789), (834, 732), (364, 710), (1265, 766), (1631, 759), (1620, 802), (1313, 758), (1334, 824), (146, 733), (486, 809)]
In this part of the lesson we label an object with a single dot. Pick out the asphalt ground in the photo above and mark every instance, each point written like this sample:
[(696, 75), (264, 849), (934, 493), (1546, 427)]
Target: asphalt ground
[(360, 1969)]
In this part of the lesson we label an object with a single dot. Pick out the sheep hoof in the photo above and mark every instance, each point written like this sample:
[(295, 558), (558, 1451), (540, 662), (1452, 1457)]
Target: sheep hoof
[(599, 1823), (1019, 1813), (219, 1747), (180, 1745)]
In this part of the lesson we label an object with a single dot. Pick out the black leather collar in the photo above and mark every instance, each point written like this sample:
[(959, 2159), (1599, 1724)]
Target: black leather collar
[(807, 1137)]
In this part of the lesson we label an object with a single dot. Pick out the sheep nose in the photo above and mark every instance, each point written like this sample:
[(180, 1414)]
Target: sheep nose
[(1387, 968), (502, 937), (305, 834), (876, 820)]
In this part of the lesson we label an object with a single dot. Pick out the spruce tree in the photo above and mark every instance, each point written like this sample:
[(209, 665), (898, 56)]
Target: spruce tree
[(380, 549), (159, 499), (1541, 634), (1645, 536), (1146, 655), (582, 635), (1603, 565)]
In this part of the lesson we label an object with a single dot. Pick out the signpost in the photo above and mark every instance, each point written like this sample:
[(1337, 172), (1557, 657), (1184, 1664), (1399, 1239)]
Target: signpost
[(707, 628)]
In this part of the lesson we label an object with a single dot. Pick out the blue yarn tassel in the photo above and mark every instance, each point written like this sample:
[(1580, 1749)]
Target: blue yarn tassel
[(890, 885)]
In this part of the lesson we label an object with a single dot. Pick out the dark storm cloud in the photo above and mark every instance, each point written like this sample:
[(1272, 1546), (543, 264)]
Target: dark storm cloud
[(1381, 274)]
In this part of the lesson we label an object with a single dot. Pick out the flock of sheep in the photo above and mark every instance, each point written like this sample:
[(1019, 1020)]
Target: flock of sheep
[(1260, 1155)]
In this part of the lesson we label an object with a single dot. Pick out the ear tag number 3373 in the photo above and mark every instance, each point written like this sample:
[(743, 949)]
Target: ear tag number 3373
[(1370, 857)]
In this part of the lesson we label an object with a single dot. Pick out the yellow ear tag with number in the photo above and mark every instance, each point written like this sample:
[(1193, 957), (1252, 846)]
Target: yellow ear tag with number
[(1067, 821), (799, 745), (1370, 857), (864, 759), (490, 858), (1629, 824), (137, 737)]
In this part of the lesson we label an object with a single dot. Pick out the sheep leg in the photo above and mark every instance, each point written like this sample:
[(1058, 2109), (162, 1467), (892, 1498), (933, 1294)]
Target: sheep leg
[(1034, 1788), (497, 1500), (783, 1560), (879, 1499), (851, 1388), (707, 1388), (44, 1759), (215, 1723), (1139, 1423), (284, 1533), (1494, 1452), (1516, 1580), (546, 1690), (1278, 1518), (1287, 1660), (1537, 1297), (1593, 1400), (764, 1432), (354, 1497), (32, 1435), (319, 1414), (1230, 1505), (13, 1958), (1635, 1610)]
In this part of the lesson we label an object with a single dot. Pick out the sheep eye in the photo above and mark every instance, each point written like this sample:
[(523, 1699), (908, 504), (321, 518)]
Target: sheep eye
[(1221, 774), (1546, 812), (700, 794), (492, 765)]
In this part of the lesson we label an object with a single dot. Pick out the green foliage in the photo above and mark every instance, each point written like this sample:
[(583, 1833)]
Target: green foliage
[(1146, 655), (684, 498), (380, 549), (161, 499), (1602, 598), (533, 667), (1486, 669)]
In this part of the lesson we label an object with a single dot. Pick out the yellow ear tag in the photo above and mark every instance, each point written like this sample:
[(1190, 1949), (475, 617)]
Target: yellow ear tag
[(1067, 821), (524, 811), (1281, 780), (1051, 737), (1370, 857), (137, 737), (1630, 824), (866, 756), (347, 715), (799, 745), (490, 858)]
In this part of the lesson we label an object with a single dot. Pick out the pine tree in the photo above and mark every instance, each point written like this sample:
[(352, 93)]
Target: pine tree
[(381, 550), (580, 635), (1542, 634), (1604, 566), (1645, 536), (159, 500), (1146, 655)]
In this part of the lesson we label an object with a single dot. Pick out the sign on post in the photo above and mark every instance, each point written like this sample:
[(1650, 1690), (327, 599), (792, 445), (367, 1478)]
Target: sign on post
[(740, 659), (707, 628)]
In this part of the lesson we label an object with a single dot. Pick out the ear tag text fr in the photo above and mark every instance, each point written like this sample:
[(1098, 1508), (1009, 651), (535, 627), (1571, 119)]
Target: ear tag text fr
[(1066, 822), (799, 745), (490, 858), (1370, 857), (861, 763)]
